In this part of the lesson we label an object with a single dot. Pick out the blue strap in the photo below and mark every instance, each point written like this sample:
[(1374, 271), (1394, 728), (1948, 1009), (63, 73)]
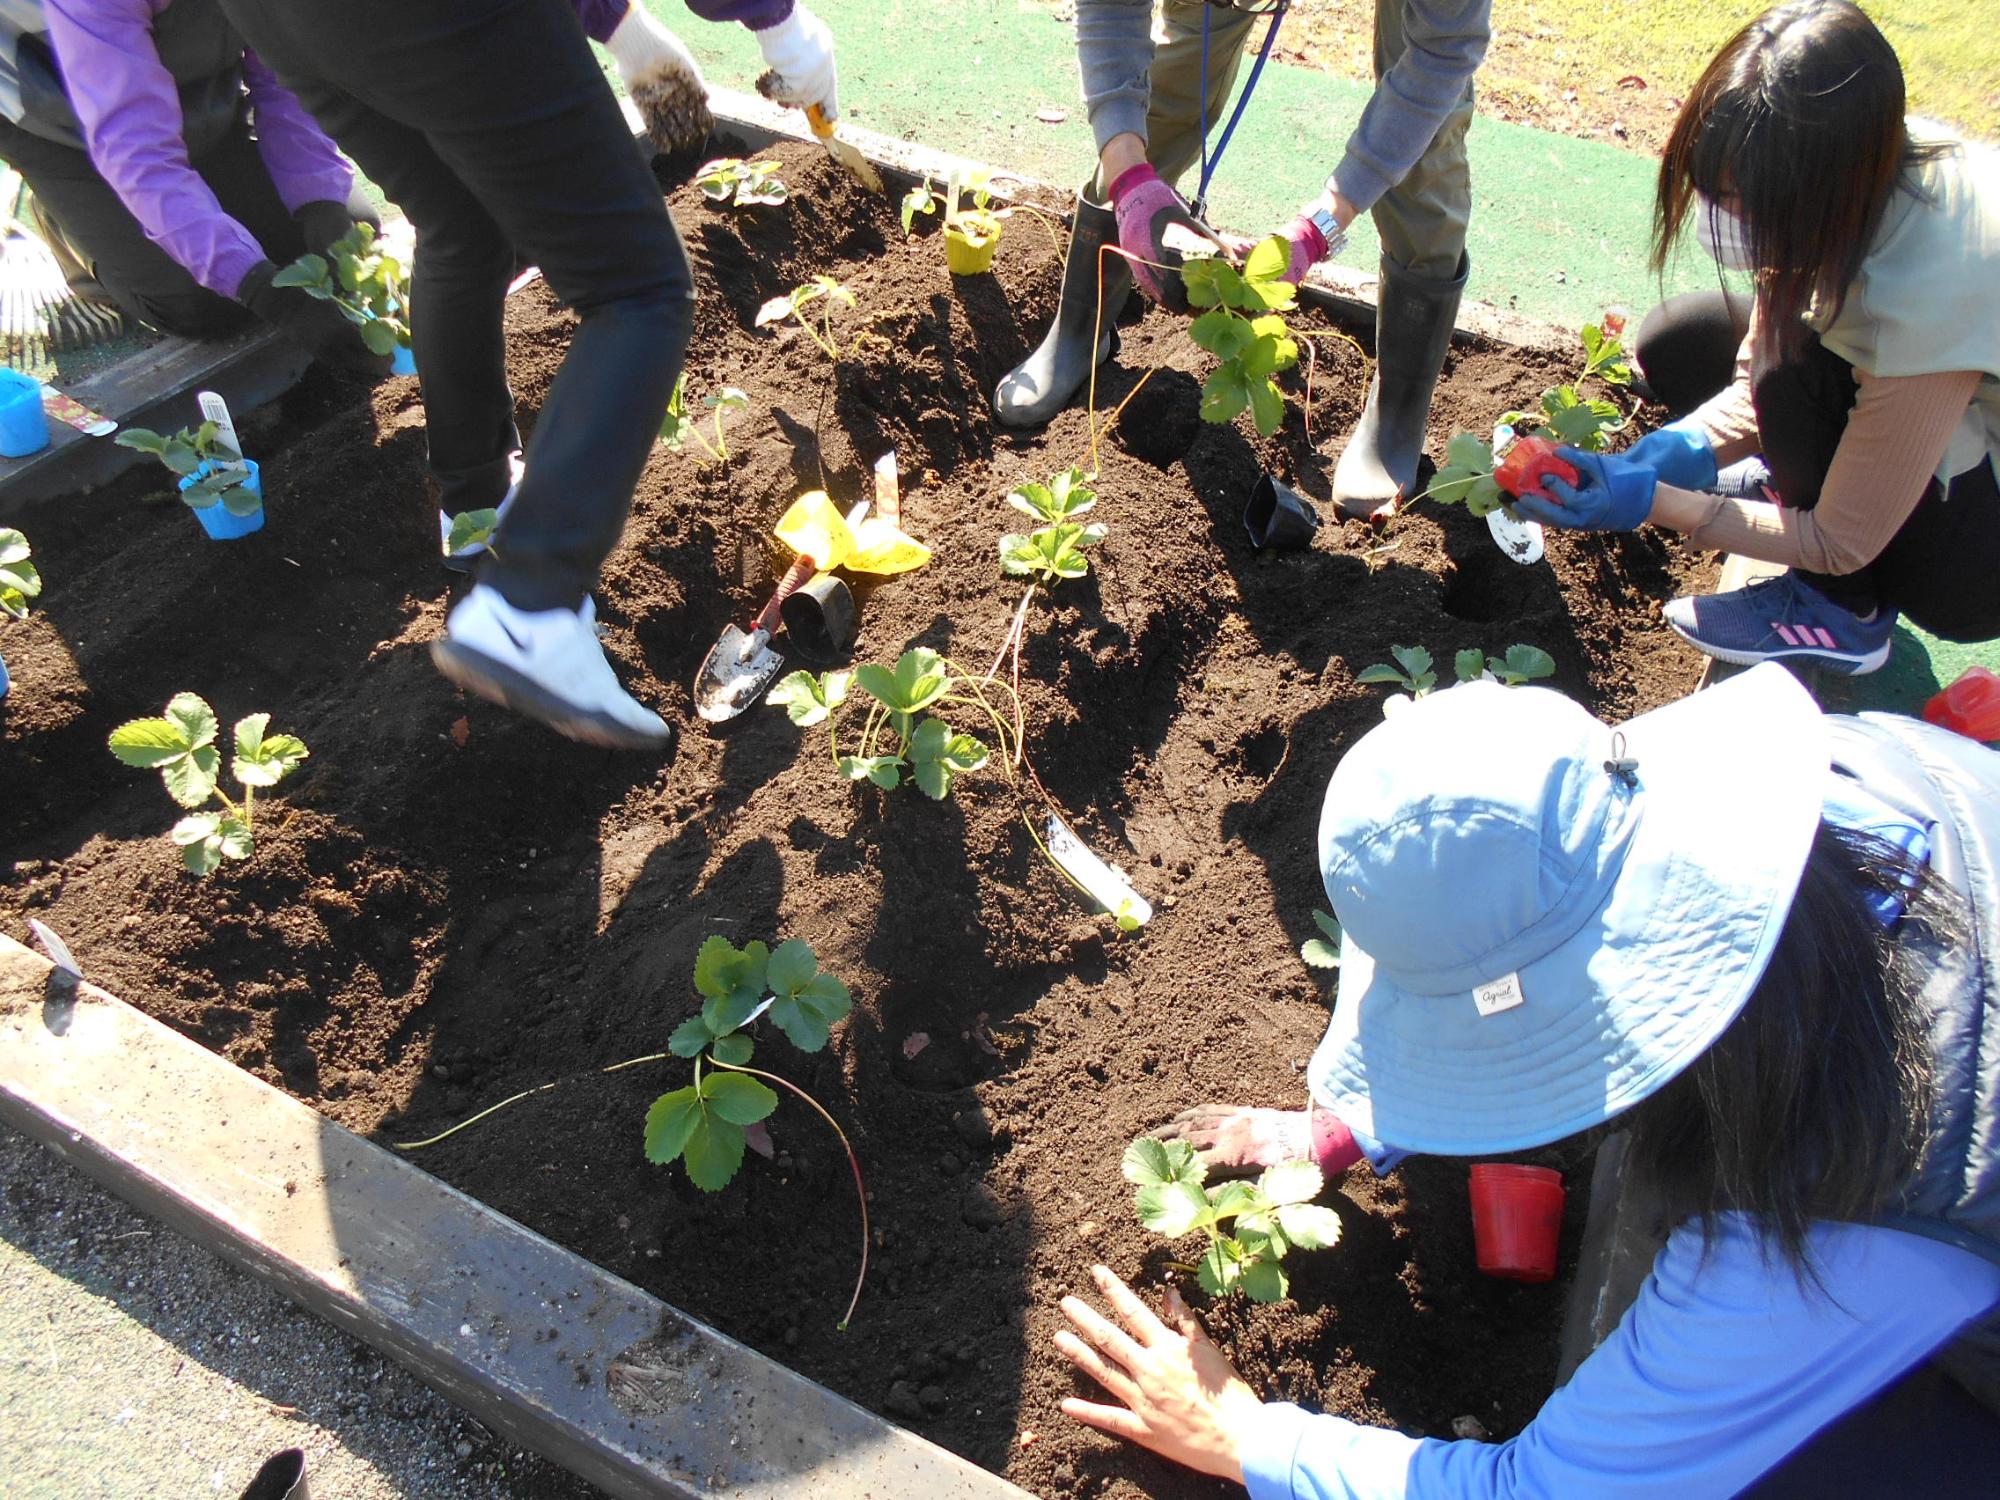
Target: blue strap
[(1210, 163)]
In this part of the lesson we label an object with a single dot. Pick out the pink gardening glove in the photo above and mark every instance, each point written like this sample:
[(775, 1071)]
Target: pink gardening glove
[(1238, 1141), (1146, 209), (1308, 248)]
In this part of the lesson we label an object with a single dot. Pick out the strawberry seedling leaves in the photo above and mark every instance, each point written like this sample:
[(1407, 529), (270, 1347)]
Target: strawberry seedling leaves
[(1149, 1162), (886, 771), (938, 756), (809, 698), (19, 579), (739, 1099), (1323, 952), (691, 1038), (918, 680), (669, 1122), (265, 760)]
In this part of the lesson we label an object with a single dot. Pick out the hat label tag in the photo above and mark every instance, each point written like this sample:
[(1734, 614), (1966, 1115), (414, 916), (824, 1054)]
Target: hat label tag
[(1499, 994)]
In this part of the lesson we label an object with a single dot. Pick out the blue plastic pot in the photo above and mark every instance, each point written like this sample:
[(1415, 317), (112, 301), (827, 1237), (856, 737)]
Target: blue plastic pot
[(403, 361), (5, 681), (217, 519), (23, 427)]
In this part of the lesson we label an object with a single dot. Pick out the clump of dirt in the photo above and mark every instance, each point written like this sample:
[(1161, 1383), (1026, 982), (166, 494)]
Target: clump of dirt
[(448, 905)]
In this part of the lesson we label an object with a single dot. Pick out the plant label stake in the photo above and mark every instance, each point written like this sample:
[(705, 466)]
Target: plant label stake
[(741, 663), (215, 409), (1106, 886)]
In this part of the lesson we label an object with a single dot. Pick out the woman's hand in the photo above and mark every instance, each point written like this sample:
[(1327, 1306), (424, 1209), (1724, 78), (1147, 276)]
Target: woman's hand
[(1180, 1396)]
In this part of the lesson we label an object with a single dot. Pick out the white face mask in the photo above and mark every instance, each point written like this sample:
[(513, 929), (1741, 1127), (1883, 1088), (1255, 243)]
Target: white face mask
[(1723, 235)]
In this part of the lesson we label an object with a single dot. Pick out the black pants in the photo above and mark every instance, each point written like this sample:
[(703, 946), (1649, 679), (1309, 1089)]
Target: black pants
[(1924, 1435), (136, 273), (491, 125), (1939, 569)]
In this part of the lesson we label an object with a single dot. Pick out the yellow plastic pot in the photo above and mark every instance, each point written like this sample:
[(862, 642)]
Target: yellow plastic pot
[(969, 254)]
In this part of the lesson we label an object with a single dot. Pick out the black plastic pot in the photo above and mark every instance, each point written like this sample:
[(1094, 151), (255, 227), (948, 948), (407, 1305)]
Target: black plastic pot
[(819, 619), (283, 1477), (1278, 516)]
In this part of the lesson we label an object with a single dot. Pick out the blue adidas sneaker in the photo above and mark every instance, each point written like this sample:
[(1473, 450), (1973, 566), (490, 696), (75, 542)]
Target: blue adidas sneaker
[(1778, 619)]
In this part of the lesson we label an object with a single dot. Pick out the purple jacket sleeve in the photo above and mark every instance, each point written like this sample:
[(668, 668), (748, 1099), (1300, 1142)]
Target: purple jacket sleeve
[(601, 17), (304, 166), (130, 111)]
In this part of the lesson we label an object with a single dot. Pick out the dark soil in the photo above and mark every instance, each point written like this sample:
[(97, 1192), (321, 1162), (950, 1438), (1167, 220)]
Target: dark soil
[(449, 905)]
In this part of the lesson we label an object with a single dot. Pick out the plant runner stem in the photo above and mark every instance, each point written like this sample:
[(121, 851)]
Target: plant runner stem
[(853, 1161), (540, 1088)]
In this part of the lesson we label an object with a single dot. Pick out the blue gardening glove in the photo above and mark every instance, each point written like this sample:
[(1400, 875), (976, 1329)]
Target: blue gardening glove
[(1679, 454), (1611, 494)]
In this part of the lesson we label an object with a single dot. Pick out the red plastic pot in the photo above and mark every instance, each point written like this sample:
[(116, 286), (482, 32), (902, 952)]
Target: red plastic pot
[(1516, 1219), (1971, 705)]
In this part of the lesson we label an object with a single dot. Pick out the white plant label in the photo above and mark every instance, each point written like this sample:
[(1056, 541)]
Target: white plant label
[(1520, 540), (215, 409), (1497, 995), (1107, 887), (888, 489)]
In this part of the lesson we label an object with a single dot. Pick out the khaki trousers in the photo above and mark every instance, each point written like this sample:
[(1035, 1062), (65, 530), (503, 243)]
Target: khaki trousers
[(1421, 220)]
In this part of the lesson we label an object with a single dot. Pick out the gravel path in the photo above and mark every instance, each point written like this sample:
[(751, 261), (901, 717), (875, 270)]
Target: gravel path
[(133, 1363)]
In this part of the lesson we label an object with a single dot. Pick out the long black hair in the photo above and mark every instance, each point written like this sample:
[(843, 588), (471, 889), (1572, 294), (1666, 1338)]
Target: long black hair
[(1798, 125), (1816, 1102)]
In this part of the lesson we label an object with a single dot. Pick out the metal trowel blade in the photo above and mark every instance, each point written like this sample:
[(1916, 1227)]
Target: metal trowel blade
[(739, 666)]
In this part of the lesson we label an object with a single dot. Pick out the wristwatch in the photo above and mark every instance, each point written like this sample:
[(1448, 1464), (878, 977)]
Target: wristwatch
[(1330, 229)]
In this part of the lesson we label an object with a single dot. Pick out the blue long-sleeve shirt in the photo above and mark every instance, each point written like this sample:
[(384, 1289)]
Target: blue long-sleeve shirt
[(1723, 1366)]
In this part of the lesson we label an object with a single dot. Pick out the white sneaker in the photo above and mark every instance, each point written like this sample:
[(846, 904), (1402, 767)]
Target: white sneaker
[(546, 664)]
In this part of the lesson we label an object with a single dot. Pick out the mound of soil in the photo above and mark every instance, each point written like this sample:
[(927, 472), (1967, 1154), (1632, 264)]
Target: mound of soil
[(449, 905)]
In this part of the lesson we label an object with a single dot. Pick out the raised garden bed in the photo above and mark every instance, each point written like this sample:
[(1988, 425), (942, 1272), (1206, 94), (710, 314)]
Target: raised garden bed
[(447, 905)]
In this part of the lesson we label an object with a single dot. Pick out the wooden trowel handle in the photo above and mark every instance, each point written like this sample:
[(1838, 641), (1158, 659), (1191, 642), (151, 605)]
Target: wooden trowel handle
[(802, 568)]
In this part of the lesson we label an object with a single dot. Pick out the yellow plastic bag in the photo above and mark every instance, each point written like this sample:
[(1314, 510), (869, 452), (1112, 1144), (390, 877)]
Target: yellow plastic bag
[(815, 528), (880, 547)]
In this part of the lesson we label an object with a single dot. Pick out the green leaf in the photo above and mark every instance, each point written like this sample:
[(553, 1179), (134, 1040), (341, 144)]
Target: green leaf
[(379, 337), (235, 838), (1309, 1226), (920, 679), (195, 827), (734, 1049), (1072, 495), (717, 965), (1267, 405), (725, 1013), (809, 698), (669, 1122), (1469, 664), (1221, 333), (195, 719), (690, 1038), (1150, 1162), (1415, 662), (1172, 1208), (240, 500), (1202, 277), (803, 1027), (738, 1099), (1018, 556), (142, 439), (1290, 1182), (148, 743), (190, 780), (1485, 496), (469, 528), (1381, 672), (1230, 1199), (1525, 663), (791, 967), (729, 398), (307, 270), (1466, 451), (1268, 353), (204, 857), (1320, 953), (265, 761), (1325, 923), (827, 998), (1218, 1268), (1224, 394), (1034, 499), (884, 770), (1269, 260), (1264, 1281), (713, 1152), (1576, 425)]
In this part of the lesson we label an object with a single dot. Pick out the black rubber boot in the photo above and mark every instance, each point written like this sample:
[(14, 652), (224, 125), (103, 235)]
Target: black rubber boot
[(1043, 383), (1413, 323)]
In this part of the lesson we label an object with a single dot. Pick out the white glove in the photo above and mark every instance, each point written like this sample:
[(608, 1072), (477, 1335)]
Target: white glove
[(663, 79), (799, 50)]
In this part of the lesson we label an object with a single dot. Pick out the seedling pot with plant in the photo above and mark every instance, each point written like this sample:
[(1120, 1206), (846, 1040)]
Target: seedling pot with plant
[(1516, 1220), (820, 619), (403, 361), (1278, 516), (225, 519), (969, 254), (23, 427)]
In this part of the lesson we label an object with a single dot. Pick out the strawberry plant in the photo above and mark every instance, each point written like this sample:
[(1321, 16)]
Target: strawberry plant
[(1054, 550), (732, 182), (1243, 329), (184, 453), (1525, 441), (901, 738), (1249, 1226), (472, 528), (1412, 671), (181, 747), (972, 225), (1323, 952), (1522, 664), (794, 304), (679, 424), (20, 580), (364, 281)]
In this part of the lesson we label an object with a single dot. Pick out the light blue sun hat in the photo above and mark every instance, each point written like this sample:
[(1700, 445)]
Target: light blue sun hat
[(1544, 918)]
